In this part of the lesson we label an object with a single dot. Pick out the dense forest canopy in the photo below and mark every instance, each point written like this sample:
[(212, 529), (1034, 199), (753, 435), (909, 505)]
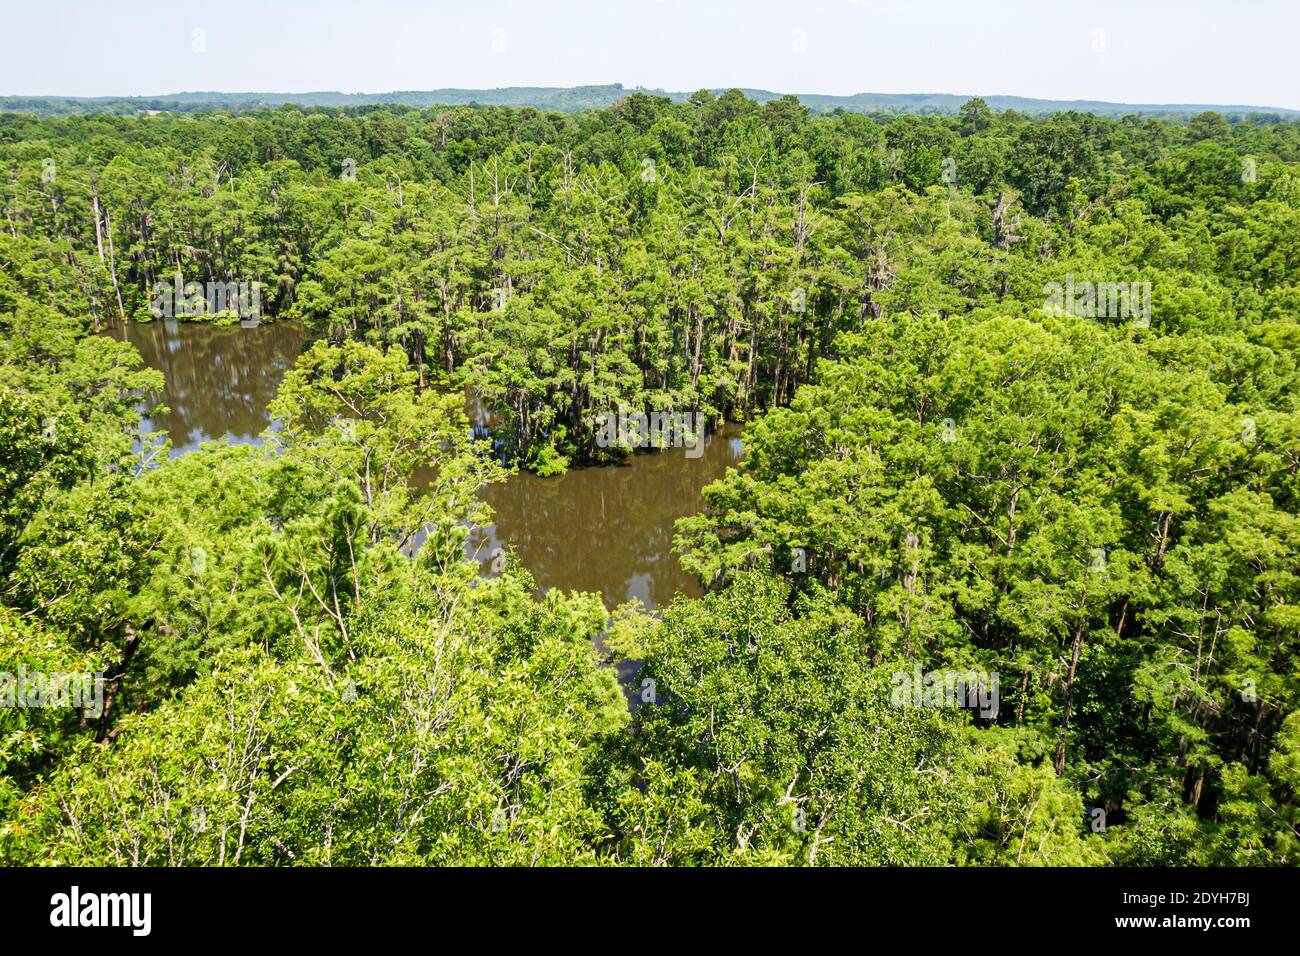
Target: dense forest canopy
[(1021, 405)]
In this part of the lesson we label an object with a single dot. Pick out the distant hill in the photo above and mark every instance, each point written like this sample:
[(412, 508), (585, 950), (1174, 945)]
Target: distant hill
[(573, 99)]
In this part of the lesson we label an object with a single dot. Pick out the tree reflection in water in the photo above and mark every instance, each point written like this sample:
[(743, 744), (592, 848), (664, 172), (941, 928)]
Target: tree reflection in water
[(218, 380), (606, 529)]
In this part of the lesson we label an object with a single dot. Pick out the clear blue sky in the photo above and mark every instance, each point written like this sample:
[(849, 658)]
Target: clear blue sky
[(1151, 51)]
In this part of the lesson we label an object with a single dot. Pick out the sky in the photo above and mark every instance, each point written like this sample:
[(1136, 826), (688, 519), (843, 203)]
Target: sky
[(1230, 52)]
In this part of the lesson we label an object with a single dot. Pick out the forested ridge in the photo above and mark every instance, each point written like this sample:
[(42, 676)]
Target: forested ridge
[(1090, 502), (578, 98)]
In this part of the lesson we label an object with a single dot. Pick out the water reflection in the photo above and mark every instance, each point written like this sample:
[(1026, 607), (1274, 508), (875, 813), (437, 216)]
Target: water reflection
[(605, 529), (218, 381)]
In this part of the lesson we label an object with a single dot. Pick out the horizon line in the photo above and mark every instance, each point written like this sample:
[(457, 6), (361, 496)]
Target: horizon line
[(1235, 107)]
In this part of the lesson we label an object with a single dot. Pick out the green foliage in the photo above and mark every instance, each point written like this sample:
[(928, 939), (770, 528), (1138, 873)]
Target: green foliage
[(948, 467)]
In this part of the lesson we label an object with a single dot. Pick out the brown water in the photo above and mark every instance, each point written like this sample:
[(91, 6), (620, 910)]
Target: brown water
[(607, 529), (603, 529), (219, 380)]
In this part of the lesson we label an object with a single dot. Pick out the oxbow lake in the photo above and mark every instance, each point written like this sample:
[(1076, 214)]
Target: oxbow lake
[(605, 529)]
